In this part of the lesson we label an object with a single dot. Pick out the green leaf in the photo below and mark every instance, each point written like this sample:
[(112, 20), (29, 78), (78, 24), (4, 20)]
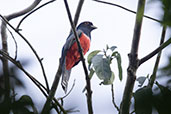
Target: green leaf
[(118, 58), (91, 55), (143, 100), (114, 54), (112, 48), (26, 100), (164, 90), (141, 80), (167, 12), (107, 47), (162, 100), (102, 68), (108, 82)]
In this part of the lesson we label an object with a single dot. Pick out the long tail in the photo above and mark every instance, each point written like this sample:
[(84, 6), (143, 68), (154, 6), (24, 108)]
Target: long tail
[(65, 77)]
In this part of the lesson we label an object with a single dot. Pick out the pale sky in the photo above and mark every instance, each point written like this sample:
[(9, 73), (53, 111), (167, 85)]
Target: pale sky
[(48, 28)]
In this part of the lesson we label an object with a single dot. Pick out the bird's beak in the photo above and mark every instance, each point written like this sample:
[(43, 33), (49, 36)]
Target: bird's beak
[(93, 27)]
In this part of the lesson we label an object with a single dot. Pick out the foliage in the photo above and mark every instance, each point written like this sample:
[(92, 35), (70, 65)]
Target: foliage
[(166, 5), (146, 99), (159, 99), (24, 103), (166, 8), (100, 61)]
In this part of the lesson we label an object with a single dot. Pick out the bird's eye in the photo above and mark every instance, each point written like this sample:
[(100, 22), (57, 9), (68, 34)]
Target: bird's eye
[(86, 23)]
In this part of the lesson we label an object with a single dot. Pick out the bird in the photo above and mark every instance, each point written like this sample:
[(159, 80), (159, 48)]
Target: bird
[(70, 56)]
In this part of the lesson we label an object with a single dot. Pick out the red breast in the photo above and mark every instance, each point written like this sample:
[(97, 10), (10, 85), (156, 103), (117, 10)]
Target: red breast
[(73, 55)]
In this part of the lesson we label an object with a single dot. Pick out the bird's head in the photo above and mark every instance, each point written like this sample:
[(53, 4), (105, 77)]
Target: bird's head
[(86, 27)]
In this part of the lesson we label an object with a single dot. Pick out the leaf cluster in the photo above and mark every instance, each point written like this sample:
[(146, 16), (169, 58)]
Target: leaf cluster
[(146, 100), (99, 62)]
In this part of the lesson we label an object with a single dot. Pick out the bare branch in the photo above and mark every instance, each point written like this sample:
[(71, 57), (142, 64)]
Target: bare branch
[(126, 9), (33, 12), (31, 47), (22, 12)]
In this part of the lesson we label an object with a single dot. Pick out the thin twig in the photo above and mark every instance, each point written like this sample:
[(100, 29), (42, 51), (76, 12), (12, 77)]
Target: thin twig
[(113, 98), (153, 76), (16, 46), (153, 53), (31, 47), (126, 9), (88, 86), (22, 12), (33, 12)]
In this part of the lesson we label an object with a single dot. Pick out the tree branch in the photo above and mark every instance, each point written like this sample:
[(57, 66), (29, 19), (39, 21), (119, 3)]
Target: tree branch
[(17, 63), (126, 9), (5, 65), (88, 86), (46, 108), (157, 50), (22, 12), (78, 11), (35, 81), (133, 60), (31, 47), (16, 46)]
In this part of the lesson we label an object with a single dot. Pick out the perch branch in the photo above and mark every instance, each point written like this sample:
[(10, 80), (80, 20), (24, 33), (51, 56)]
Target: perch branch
[(46, 107), (88, 86)]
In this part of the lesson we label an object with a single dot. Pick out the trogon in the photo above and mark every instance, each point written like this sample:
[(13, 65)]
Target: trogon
[(70, 55)]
